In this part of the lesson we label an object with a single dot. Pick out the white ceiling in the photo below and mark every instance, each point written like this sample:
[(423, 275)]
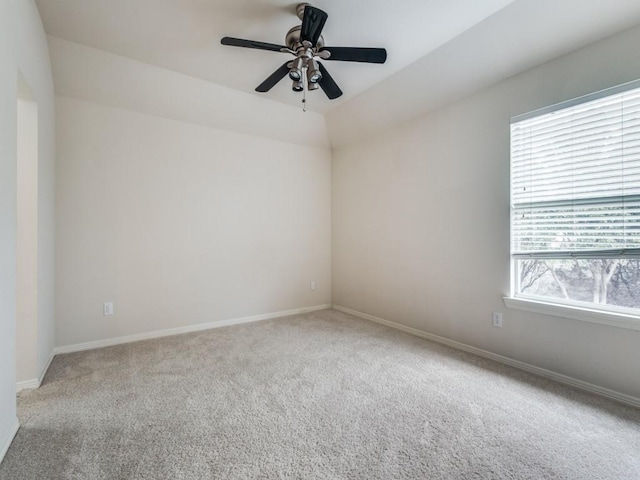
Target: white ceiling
[(523, 35), (184, 35)]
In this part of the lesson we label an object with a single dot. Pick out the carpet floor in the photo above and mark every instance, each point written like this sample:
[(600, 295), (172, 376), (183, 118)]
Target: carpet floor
[(322, 395)]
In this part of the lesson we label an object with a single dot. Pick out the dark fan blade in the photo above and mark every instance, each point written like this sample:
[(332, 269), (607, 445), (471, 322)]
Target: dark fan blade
[(355, 54), (239, 42), (274, 78), (328, 85), (312, 24)]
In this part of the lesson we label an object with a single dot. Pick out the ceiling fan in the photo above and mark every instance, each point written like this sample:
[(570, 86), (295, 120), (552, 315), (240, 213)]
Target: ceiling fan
[(306, 44)]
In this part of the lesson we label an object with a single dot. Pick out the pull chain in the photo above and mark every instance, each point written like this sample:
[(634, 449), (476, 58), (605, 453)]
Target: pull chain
[(304, 93)]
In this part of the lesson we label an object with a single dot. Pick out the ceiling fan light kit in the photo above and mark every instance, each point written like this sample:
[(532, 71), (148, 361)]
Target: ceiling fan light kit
[(306, 44), (313, 71), (295, 71)]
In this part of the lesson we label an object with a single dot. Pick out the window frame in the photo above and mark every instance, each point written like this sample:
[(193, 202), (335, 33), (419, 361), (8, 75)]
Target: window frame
[(611, 315)]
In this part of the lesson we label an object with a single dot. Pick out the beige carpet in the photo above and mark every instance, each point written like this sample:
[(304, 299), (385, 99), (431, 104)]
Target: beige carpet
[(319, 396)]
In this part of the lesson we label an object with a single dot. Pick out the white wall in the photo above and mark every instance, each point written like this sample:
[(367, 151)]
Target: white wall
[(27, 235), (8, 88), (180, 224), (421, 223), (23, 48)]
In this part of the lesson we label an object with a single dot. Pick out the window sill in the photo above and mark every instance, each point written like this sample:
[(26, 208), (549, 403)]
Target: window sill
[(614, 319)]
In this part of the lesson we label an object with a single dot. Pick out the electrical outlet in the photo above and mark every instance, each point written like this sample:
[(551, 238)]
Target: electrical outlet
[(312, 286), (497, 319), (108, 308)]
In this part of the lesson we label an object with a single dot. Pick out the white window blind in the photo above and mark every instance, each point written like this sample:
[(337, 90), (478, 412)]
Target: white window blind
[(575, 179)]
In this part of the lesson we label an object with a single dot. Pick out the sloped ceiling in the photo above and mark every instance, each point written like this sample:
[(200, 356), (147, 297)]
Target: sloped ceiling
[(184, 35), (438, 50), (524, 34)]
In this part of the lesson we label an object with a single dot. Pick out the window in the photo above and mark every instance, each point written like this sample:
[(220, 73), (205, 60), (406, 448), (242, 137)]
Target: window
[(575, 202)]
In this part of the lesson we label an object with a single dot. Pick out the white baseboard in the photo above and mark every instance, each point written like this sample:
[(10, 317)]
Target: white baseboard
[(44, 370), (7, 442), (558, 377), (186, 329), (35, 382), (27, 384)]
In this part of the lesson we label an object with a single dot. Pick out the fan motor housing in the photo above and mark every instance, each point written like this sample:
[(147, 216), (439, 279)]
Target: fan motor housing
[(292, 39)]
